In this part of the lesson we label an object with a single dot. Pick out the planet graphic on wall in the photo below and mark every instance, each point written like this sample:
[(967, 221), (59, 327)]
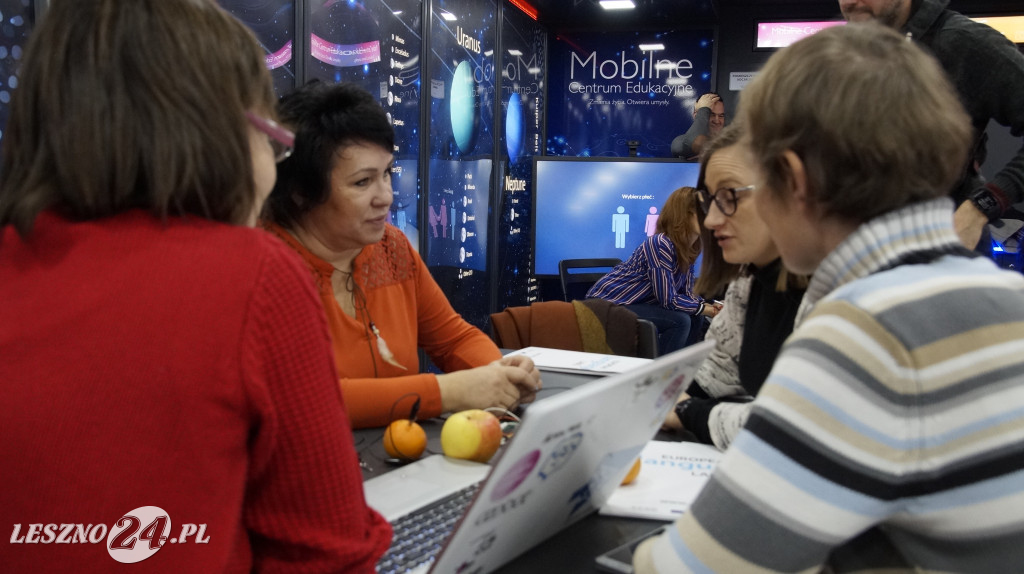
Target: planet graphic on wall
[(514, 128), (463, 107)]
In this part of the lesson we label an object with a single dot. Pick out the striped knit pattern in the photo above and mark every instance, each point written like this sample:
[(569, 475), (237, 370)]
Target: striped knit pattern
[(890, 433), (650, 276)]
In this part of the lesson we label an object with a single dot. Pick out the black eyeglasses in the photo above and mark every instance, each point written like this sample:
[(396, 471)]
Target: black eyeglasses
[(724, 198)]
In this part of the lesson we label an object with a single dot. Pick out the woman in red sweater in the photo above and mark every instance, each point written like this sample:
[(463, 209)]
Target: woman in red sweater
[(168, 389), (330, 205)]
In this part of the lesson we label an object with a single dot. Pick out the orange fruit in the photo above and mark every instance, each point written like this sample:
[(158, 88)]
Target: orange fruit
[(633, 472), (405, 440)]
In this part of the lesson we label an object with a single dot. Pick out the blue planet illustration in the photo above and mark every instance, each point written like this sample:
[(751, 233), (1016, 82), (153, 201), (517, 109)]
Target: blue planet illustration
[(514, 128), (463, 108)]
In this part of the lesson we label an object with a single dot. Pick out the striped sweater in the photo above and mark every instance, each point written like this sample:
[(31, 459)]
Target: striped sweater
[(890, 432), (652, 276)]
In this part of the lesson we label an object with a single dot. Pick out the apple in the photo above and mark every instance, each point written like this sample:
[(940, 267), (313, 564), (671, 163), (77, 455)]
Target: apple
[(471, 435)]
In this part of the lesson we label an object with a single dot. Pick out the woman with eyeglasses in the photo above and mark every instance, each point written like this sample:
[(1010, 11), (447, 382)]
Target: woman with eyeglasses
[(166, 372), (656, 281), (760, 303), (330, 206)]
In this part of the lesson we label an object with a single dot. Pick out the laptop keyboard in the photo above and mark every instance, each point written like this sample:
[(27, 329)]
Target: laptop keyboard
[(418, 536)]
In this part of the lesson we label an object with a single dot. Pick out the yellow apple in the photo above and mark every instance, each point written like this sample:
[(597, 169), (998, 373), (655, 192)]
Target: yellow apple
[(471, 435)]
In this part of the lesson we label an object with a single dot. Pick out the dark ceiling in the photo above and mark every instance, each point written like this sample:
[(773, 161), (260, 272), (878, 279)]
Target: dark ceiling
[(649, 14)]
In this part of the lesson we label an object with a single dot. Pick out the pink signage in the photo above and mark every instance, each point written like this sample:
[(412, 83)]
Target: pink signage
[(343, 55), (782, 34), (280, 57)]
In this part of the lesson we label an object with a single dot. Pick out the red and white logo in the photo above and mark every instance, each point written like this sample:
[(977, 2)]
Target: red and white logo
[(137, 535)]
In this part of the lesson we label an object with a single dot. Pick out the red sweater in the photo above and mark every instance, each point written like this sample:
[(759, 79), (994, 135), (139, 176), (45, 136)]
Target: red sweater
[(410, 311), (184, 365)]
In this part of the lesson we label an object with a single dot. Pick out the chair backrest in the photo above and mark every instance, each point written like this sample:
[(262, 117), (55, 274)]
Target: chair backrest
[(579, 275), (646, 339)]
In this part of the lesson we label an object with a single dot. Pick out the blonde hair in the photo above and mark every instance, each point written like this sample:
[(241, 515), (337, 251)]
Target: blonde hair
[(872, 117)]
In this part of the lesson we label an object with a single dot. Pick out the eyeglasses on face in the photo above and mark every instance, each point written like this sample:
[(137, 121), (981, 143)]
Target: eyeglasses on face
[(282, 140), (724, 198)]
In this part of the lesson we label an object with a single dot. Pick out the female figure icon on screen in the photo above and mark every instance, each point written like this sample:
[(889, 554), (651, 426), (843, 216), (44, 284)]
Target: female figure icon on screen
[(620, 226), (651, 227)]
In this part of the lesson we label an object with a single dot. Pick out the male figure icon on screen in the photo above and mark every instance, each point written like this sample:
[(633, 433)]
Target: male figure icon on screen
[(620, 226), (652, 222)]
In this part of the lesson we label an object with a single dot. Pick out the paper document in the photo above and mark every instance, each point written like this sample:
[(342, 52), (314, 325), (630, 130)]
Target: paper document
[(578, 361), (671, 476)]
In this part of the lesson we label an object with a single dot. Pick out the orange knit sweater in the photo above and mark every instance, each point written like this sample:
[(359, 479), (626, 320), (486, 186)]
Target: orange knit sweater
[(409, 310)]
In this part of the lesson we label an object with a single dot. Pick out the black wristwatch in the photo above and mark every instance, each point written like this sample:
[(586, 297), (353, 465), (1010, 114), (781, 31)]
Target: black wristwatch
[(987, 203), (681, 407)]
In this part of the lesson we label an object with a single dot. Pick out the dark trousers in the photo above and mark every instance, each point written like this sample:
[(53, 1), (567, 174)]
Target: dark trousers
[(675, 328)]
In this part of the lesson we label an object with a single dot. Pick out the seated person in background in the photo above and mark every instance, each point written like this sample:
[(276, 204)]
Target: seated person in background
[(330, 205), (656, 281), (760, 303), (890, 432), (155, 349), (708, 121)]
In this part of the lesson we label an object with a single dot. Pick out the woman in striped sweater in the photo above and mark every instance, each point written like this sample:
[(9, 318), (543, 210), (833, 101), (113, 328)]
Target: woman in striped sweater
[(656, 282), (890, 432)]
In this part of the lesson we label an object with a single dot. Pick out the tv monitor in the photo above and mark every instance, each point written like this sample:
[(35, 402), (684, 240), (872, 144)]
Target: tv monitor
[(599, 207), (404, 212)]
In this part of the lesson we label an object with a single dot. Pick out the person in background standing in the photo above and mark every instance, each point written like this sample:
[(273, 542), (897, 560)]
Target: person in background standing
[(987, 71)]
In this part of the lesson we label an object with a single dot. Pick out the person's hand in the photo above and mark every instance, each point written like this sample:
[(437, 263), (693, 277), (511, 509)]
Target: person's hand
[(493, 385), (969, 223), (705, 101), (711, 309), (672, 422), (529, 387)]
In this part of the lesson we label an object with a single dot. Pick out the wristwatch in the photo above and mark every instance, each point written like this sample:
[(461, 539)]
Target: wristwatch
[(681, 407), (987, 203)]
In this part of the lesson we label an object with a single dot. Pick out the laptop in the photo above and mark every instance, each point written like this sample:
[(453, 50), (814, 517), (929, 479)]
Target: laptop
[(566, 458)]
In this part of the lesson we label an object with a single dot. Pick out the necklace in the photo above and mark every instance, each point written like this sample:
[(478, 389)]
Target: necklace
[(359, 301)]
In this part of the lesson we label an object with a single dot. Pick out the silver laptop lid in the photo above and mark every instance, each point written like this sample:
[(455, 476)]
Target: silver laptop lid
[(571, 451)]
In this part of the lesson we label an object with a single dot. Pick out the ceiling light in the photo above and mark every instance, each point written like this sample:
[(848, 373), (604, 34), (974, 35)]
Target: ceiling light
[(448, 16), (617, 4), (514, 53), (651, 47)]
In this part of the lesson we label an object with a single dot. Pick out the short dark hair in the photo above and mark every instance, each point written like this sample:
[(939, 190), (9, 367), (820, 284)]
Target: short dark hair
[(326, 118), (125, 105)]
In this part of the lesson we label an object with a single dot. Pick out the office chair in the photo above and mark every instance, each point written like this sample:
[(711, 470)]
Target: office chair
[(646, 339), (576, 284)]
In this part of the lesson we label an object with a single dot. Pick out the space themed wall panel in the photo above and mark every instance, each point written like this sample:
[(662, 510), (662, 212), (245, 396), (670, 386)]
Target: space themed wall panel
[(273, 22), (377, 44), (607, 89), (520, 122), (460, 91)]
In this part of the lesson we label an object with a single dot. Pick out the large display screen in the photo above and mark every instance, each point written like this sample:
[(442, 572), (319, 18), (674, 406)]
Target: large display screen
[(603, 207)]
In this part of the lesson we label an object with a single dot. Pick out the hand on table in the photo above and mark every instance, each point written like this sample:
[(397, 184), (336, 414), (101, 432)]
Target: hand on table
[(503, 383)]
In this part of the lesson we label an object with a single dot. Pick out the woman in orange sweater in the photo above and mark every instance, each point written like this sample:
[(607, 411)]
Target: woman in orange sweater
[(330, 204)]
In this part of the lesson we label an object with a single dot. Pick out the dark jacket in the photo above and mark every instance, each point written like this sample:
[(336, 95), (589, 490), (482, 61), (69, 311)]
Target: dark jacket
[(987, 71)]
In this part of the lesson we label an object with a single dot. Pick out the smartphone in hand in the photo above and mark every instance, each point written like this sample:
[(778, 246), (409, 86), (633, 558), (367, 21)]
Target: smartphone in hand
[(620, 560)]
